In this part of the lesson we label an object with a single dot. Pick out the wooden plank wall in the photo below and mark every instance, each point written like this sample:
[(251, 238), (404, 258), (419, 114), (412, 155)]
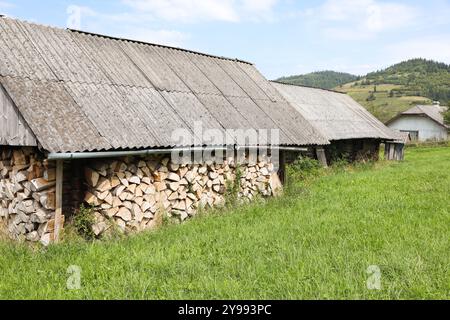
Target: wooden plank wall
[(13, 129), (394, 151)]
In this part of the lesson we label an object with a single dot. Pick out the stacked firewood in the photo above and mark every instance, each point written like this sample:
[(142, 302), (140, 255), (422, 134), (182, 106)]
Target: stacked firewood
[(131, 192), (27, 194)]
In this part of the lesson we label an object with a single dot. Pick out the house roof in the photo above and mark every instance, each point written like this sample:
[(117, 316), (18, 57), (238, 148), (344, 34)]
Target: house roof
[(336, 115), (434, 112), (84, 92)]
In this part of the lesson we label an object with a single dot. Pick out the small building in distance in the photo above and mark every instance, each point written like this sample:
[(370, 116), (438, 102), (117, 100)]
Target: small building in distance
[(354, 133), (395, 150), (423, 123)]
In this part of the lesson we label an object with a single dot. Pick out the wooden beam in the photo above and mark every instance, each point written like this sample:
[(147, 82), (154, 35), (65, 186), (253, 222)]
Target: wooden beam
[(59, 192), (321, 156), (392, 152)]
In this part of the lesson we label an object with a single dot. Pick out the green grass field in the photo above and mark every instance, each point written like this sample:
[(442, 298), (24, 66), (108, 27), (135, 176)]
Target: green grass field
[(383, 107), (314, 244)]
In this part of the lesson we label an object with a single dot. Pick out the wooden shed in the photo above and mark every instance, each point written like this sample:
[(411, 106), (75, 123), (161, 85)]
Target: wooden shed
[(354, 133), (86, 118)]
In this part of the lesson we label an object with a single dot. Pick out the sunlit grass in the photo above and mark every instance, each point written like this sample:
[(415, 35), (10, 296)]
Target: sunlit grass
[(314, 244)]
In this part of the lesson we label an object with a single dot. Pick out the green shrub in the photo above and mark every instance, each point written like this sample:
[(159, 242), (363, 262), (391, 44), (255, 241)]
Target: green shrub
[(447, 116), (303, 168), (340, 162), (83, 222), (233, 187)]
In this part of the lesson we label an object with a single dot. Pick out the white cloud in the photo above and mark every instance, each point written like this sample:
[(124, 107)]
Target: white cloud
[(166, 37), (361, 19), (5, 5), (435, 48), (205, 10), (260, 9), (133, 26)]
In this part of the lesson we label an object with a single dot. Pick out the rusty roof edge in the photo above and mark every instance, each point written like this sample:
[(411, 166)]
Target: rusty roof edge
[(157, 45)]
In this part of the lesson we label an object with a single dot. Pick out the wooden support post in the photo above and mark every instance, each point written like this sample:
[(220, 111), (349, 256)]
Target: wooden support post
[(282, 170), (59, 192), (392, 152), (321, 156)]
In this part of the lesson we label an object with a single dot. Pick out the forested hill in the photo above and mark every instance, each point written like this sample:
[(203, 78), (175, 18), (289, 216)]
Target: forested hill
[(322, 79), (419, 77), (387, 92)]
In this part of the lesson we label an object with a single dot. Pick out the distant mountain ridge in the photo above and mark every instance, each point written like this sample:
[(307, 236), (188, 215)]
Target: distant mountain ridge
[(419, 77), (390, 91), (321, 79)]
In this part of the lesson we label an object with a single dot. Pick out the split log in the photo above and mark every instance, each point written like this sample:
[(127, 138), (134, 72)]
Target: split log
[(104, 185), (124, 214), (41, 184), (173, 177), (91, 176), (19, 157)]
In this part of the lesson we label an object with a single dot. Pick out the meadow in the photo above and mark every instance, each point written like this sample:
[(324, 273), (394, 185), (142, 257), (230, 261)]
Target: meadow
[(324, 239), (382, 106)]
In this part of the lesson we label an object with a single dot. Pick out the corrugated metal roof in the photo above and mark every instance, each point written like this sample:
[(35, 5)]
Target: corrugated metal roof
[(85, 92), (336, 115)]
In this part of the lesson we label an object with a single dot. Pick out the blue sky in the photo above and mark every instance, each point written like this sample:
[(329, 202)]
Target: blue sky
[(282, 37)]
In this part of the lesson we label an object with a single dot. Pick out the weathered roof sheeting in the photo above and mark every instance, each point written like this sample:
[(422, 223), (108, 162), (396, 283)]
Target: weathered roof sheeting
[(85, 92), (402, 137), (336, 115), (52, 113), (13, 129), (434, 112)]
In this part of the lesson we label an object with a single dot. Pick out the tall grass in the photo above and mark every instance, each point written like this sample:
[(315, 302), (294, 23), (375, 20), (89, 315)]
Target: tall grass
[(314, 244)]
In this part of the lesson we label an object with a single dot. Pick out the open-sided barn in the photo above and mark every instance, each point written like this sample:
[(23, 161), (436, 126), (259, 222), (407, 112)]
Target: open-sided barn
[(354, 132), (89, 118)]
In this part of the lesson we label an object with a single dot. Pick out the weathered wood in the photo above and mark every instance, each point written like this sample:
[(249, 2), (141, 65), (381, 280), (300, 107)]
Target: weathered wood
[(392, 152), (40, 184), (50, 174), (59, 201), (130, 192), (321, 156), (104, 185), (91, 176), (13, 128), (19, 157), (91, 199)]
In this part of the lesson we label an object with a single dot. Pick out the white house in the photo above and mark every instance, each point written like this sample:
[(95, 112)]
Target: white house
[(423, 123)]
